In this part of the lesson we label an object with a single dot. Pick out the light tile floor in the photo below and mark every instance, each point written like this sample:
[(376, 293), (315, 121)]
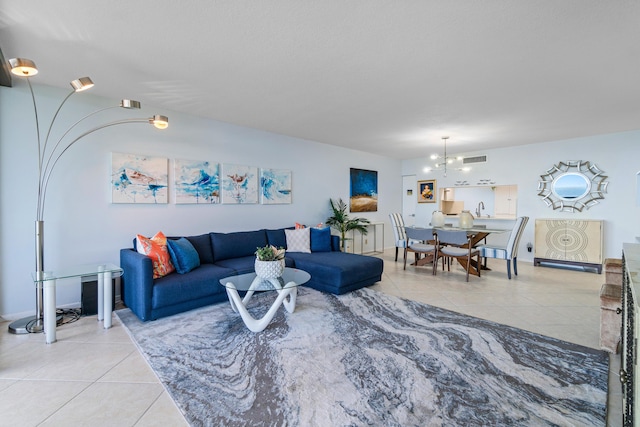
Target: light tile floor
[(96, 377)]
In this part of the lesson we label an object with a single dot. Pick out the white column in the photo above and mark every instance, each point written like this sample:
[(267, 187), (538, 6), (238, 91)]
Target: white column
[(108, 296), (49, 291), (100, 292)]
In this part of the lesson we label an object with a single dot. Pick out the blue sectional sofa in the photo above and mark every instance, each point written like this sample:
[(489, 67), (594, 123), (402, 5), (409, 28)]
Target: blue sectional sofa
[(227, 254)]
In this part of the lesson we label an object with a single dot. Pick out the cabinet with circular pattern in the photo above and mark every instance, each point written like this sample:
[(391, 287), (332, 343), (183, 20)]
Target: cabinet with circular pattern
[(570, 242)]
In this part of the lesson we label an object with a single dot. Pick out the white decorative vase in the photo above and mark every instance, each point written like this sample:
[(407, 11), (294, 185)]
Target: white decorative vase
[(437, 219), (466, 219), (269, 269)]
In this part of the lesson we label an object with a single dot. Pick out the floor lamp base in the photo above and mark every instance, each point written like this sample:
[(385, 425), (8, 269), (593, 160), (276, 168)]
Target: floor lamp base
[(24, 326), (28, 325)]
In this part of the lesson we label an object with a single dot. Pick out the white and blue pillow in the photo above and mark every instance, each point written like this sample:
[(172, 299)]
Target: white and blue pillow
[(298, 240)]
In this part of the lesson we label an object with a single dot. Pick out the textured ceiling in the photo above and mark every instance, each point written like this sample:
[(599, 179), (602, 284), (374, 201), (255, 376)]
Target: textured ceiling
[(387, 77)]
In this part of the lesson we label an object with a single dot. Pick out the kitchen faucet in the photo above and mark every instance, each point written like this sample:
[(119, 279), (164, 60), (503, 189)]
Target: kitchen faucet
[(481, 204)]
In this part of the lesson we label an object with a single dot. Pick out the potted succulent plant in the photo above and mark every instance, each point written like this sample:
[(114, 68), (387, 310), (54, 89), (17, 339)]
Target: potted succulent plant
[(342, 223), (269, 262)]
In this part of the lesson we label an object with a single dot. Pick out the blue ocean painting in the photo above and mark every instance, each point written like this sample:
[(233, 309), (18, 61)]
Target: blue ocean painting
[(239, 184), (197, 181), (275, 185), (139, 179), (364, 190)]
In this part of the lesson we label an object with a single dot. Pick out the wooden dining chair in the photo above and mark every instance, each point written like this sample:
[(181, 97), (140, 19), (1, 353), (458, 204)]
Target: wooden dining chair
[(455, 244), (418, 242)]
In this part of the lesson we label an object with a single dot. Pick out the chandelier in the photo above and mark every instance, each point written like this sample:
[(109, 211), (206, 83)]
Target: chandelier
[(444, 160)]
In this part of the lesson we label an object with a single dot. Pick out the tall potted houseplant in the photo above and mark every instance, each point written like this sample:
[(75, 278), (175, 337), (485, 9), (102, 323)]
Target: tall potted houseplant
[(341, 222)]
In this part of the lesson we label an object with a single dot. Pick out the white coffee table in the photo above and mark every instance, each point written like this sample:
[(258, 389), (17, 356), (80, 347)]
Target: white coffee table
[(286, 286)]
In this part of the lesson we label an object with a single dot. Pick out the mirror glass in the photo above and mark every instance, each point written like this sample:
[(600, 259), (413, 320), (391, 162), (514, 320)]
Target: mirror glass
[(571, 186)]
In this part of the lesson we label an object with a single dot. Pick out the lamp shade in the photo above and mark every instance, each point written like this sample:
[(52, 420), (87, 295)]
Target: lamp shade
[(130, 103), (161, 122), (23, 67), (83, 83)]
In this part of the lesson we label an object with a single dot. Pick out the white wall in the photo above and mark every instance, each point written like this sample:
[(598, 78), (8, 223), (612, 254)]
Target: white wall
[(618, 155), (83, 227)]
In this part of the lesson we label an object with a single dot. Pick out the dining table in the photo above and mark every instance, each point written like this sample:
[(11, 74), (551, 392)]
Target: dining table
[(477, 233)]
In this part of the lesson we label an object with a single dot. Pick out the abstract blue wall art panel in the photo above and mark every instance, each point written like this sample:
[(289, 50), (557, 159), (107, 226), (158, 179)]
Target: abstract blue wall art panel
[(275, 186), (364, 190), (239, 184), (197, 181), (139, 179)]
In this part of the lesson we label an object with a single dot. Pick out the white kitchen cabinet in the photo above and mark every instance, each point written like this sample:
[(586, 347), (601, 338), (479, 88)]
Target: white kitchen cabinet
[(506, 201), (448, 194)]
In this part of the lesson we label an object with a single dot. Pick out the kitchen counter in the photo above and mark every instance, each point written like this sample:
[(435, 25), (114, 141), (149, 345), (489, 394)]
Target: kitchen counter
[(483, 218)]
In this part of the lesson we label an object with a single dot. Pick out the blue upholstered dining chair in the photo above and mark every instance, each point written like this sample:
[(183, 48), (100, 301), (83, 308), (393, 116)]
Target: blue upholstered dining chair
[(508, 252), (397, 223), (455, 244), (418, 239)]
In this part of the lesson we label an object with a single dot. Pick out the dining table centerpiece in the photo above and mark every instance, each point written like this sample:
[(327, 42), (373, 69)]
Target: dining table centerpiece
[(269, 262), (466, 219)]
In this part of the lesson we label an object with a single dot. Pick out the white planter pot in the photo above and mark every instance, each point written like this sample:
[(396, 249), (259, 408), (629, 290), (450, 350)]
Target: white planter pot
[(269, 269)]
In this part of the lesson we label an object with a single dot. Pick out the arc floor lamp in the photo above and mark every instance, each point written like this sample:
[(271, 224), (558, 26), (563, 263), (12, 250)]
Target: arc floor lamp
[(50, 150)]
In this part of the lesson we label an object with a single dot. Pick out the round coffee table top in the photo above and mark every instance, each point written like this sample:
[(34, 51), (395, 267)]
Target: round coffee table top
[(291, 277)]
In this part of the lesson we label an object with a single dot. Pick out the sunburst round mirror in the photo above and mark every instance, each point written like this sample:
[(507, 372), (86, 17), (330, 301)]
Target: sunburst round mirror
[(572, 186)]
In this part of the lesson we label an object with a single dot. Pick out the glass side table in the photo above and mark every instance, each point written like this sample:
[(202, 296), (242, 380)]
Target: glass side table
[(105, 273)]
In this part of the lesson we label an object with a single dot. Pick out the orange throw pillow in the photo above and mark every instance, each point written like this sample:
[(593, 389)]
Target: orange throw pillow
[(156, 249)]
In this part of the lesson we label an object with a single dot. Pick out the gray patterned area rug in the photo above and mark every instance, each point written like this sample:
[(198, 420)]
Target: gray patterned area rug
[(368, 359)]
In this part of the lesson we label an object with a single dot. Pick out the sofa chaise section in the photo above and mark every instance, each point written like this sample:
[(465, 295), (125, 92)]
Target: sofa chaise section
[(338, 272)]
